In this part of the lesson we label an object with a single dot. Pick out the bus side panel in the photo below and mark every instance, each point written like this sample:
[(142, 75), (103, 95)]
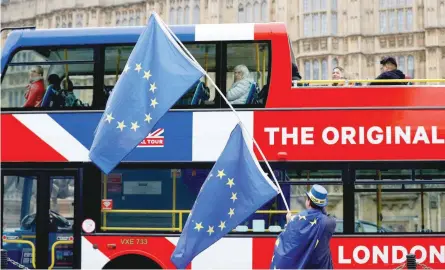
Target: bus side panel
[(363, 252)]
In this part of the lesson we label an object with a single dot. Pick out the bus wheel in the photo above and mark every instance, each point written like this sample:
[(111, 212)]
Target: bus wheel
[(132, 261)]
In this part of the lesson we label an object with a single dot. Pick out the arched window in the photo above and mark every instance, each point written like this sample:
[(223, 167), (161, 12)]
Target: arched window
[(324, 69), (256, 12), (316, 67), (241, 14), (411, 66), (172, 18), (196, 15), (138, 17), (118, 18), (131, 20), (186, 15), (124, 18), (264, 12), (249, 13), (180, 16), (57, 21), (334, 63), (401, 63), (307, 70)]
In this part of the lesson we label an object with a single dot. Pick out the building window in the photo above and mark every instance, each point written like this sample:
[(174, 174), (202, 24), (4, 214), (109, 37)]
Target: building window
[(316, 70), (324, 69), (411, 66), (264, 12), (118, 18), (315, 17), (79, 20), (172, 16), (256, 12), (186, 15), (395, 16), (307, 70), (180, 16), (196, 15), (131, 21), (138, 17)]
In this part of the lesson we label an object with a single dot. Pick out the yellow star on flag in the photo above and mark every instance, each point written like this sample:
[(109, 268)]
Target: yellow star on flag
[(231, 212), (277, 243), (220, 174), (120, 125), (147, 75), (316, 244), (210, 230), (230, 182), (154, 103), (126, 68), (148, 118), (198, 226), (134, 126), (152, 87), (313, 222), (138, 67), (301, 217), (233, 197), (222, 225), (109, 117)]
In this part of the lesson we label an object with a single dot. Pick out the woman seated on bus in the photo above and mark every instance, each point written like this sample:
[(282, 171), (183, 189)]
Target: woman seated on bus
[(338, 73), (36, 88), (238, 92)]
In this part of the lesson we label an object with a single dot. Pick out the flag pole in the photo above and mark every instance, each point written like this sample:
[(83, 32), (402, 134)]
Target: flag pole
[(231, 107)]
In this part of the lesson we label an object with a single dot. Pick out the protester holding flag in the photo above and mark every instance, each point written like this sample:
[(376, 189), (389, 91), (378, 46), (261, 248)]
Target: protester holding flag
[(304, 243)]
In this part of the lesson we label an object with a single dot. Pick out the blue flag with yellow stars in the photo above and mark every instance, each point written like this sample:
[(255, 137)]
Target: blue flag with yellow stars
[(235, 188), (304, 243), (158, 72)]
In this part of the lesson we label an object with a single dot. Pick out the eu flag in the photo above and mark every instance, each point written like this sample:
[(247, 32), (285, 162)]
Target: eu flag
[(157, 74), (235, 188), (304, 243)]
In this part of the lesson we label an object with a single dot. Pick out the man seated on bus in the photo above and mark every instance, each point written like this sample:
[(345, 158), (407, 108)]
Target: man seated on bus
[(389, 71), (239, 91)]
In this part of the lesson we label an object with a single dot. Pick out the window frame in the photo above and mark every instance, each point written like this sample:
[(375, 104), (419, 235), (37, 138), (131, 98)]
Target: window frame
[(94, 62), (224, 61), (217, 99)]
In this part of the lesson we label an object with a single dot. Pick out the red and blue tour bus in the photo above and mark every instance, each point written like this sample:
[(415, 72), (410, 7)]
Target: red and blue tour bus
[(379, 150)]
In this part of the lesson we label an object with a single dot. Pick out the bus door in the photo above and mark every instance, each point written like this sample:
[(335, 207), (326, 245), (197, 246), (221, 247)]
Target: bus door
[(38, 210)]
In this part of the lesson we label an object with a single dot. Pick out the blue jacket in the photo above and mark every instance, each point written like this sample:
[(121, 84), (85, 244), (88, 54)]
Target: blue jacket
[(304, 243)]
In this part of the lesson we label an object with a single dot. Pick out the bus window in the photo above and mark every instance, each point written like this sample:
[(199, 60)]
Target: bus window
[(44, 71), (151, 190), (200, 94), (404, 201), (247, 77)]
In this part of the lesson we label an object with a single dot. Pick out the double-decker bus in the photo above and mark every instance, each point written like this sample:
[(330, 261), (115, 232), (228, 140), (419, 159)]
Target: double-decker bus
[(379, 151)]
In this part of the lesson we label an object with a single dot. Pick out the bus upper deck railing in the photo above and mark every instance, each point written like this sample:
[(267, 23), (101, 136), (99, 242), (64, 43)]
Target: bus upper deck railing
[(347, 82), (174, 227)]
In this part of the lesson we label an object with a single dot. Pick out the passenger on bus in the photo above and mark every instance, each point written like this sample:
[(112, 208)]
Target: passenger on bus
[(70, 98), (53, 96), (237, 94), (36, 88), (389, 71), (338, 73)]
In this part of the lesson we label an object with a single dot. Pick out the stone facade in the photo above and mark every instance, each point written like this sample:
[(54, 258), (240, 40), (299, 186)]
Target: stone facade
[(353, 34)]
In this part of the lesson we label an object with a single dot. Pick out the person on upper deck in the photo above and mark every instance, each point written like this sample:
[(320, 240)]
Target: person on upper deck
[(239, 91), (338, 73), (36, 88), (389, 71)]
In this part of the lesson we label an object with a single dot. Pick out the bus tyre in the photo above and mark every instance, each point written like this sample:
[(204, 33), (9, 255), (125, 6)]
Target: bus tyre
[(132, 261)]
